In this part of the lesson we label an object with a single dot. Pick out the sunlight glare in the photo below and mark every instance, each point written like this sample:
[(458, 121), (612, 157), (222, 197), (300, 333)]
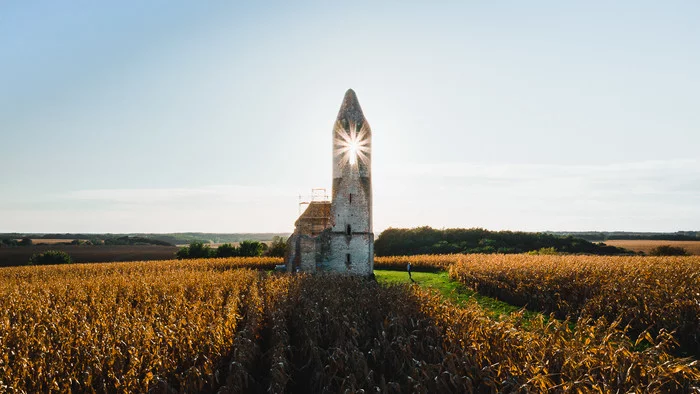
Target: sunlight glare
[(352, 145), (352, 152)]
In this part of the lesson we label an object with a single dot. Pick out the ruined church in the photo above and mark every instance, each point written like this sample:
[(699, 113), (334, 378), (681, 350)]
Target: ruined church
[(336, 236)]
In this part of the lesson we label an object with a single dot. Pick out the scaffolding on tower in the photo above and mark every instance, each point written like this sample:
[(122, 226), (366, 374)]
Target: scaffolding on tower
[(316, 216), (319, 194)]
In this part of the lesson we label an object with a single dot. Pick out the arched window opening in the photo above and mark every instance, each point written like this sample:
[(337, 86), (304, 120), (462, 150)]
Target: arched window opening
[(347, 259), (348, 230)]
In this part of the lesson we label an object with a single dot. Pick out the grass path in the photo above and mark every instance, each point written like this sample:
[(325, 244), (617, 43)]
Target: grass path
[(452, 290)]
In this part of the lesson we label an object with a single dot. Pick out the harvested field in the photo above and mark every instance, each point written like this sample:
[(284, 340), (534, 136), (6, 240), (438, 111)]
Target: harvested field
[(645, 245), (89, 254), (215, 245), (51, 241)]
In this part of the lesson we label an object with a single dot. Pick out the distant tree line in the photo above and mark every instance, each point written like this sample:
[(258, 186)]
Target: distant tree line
[(144, 238), (12, 242), (599, 236), (123, 240), (427, 240), (248, 248), (186, 238), (131, 240)]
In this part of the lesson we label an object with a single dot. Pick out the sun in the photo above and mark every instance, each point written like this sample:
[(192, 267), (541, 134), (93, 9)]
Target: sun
[(353, 144)]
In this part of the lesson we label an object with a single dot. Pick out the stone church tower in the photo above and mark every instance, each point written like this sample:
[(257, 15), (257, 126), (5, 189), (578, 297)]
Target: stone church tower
[(337, 236)]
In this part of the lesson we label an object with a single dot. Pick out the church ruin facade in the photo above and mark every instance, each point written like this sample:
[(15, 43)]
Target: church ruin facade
[(336, 235)]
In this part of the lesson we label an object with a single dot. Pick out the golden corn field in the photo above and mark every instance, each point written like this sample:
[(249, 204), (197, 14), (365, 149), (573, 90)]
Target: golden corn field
[(215, 326), (646, 293), (421, 262)]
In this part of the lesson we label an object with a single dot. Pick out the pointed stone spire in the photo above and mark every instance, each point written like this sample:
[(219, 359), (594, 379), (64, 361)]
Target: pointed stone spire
[(350, 110), (352, 139)]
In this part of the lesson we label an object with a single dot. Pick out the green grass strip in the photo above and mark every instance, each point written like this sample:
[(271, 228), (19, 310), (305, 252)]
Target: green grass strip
[(453, 291)]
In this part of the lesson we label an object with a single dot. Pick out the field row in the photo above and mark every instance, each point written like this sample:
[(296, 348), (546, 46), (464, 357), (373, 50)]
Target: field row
[(199, 326)]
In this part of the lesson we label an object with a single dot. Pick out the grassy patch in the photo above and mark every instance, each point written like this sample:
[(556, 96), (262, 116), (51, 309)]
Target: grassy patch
[(452, 290)]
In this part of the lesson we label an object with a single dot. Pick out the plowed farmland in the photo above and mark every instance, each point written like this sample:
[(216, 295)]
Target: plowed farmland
[(645, 246)]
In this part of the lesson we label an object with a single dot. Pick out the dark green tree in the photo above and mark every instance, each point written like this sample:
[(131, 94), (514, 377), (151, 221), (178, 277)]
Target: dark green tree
[(196, 250), (227, 250), (250, 249), (278, 247), (183, 253)]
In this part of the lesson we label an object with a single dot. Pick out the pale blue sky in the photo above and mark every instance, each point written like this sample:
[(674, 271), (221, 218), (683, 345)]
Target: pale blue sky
[(162, 116)]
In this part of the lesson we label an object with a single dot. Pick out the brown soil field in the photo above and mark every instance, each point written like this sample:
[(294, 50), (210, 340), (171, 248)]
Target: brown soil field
[(644, 245), (90, 254)]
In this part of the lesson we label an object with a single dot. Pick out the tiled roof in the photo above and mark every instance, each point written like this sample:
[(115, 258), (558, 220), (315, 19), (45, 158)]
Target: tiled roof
[(317, 210)]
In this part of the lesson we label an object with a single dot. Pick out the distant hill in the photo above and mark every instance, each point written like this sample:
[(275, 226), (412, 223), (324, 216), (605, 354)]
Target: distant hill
[(599, 236), (185, 238)]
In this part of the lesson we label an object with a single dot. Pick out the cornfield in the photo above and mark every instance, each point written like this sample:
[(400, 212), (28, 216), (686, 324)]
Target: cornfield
[(200, 326), (656, 294)]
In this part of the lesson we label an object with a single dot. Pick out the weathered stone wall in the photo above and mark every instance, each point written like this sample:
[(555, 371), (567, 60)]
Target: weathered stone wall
[(352, 204), (292, 250), (323, 248), (358, 246), (307, 252)]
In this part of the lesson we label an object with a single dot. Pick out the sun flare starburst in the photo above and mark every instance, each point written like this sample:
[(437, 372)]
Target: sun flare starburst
[(352, 143)]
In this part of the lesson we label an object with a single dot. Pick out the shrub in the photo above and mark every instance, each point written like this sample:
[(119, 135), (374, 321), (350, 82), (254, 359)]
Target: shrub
[(50, 257), (544, 251), (668, 250)]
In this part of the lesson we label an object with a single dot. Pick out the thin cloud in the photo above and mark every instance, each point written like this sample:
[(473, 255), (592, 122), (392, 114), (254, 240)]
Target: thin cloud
[(533, 171), (653, 177)]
